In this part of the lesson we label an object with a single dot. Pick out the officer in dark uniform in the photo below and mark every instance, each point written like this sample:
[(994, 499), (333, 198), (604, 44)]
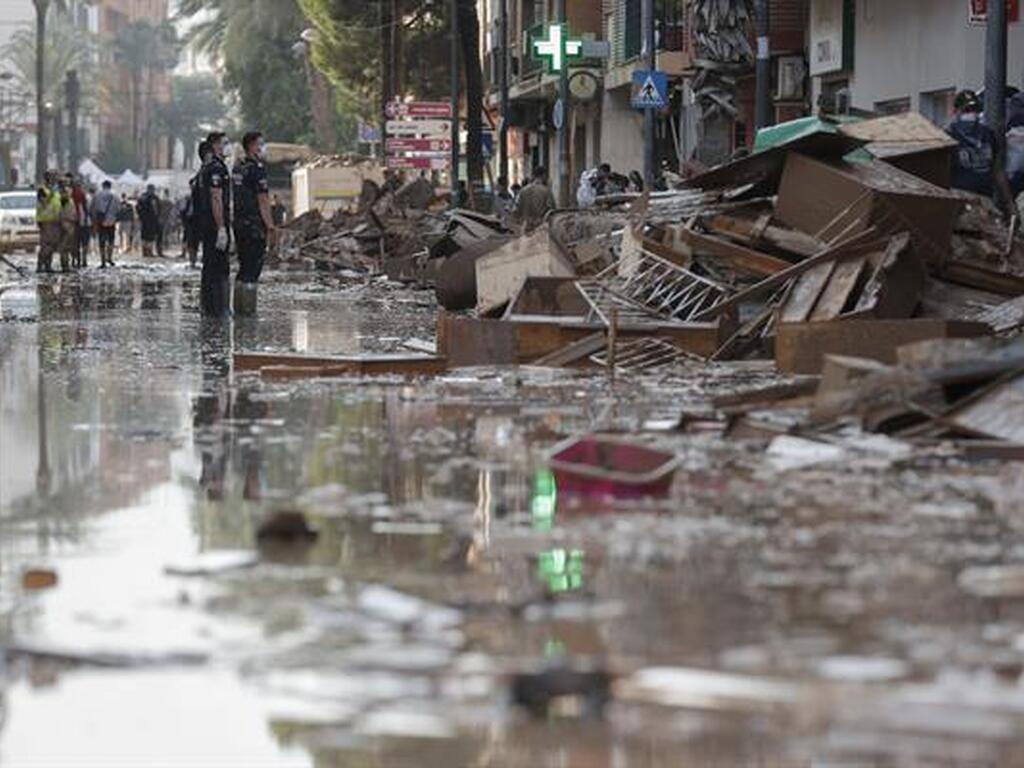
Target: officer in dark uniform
[(194, 212), (253, 220), (214, 220)]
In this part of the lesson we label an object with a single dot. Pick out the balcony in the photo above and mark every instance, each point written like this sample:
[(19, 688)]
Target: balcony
[(672, 39)]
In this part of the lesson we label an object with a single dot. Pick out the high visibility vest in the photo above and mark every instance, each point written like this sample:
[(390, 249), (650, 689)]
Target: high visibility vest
[(48, 209)]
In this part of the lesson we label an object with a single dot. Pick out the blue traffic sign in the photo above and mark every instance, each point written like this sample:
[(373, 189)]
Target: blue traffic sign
[(650, 89)]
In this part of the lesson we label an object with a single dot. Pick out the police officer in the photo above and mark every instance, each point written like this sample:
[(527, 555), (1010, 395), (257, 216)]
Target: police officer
[(214, 220), (253, 220), (194, 208)]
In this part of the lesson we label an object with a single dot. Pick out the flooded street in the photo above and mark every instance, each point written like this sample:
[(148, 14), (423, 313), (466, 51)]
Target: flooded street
[(857, 607)]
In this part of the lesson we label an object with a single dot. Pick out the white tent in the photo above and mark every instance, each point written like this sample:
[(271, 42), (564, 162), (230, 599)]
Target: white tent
[(130, 179), (92, 173)]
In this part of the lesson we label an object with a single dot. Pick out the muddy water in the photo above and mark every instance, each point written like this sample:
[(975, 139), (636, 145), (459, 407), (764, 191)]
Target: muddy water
[(862, 611)]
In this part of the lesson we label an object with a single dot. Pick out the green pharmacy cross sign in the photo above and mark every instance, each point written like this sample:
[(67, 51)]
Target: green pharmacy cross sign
[(557, 48)]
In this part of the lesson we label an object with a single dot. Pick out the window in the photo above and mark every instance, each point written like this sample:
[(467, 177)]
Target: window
[(893, 106), (937, 106), (633, 39)]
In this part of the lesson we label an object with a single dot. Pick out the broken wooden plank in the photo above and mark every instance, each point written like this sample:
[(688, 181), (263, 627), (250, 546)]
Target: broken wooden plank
[(983, 278), (897, 281), (574, 352), (805, 293), (737, 257), (752, 232), (855, 245), (836, 295), (801, 347), (996, 411), (285, 365), (466, 341)]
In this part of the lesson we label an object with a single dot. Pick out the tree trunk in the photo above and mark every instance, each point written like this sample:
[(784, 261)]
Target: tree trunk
[(135, 89), (172, 142), (469, 37), (42, 6), (387, 90), (398, 73)]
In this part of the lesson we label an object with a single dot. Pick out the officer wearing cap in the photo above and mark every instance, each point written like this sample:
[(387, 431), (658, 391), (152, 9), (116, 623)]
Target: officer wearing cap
[(253, 220), (215, 224)]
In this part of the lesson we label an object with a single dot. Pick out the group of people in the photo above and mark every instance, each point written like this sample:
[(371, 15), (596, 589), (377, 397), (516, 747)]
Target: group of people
[(224, 208), (74, 219), (981, 162)]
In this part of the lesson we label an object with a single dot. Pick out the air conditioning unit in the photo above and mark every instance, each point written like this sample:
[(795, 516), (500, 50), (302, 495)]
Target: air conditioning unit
[(790, 76)]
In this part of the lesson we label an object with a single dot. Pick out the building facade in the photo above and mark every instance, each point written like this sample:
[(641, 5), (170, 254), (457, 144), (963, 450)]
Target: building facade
[(878, 56), (897, 55)]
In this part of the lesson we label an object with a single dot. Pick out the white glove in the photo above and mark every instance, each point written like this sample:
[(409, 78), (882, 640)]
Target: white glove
[(222, 239)]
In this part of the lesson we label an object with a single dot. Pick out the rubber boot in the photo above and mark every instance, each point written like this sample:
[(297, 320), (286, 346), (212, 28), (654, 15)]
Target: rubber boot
[(245, 299)]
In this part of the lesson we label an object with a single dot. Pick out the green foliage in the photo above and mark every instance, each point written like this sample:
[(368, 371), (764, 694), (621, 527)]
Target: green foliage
[(195, 108), (144, 45), (67, 47), (254, 40), (347, 50)]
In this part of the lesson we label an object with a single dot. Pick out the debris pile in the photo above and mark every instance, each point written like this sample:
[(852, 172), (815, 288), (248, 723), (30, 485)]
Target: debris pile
[(836, 250)]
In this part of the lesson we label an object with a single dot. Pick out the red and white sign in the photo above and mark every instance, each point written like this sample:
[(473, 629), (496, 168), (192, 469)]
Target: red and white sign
[(419, 145), (978, 11), (417, 163), (431, 110)]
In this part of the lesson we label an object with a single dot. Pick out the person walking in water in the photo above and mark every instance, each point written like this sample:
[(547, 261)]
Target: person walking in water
[(105, 211), (148, 209)]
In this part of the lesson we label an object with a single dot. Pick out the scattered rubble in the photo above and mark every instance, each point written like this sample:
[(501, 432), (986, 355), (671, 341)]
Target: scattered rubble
[(835, 250)]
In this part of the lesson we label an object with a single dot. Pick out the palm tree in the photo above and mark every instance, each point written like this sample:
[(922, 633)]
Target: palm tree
[(143, 47), (195, 107)]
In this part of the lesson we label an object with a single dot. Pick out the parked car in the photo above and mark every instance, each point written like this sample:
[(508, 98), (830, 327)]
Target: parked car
[(18, 228)]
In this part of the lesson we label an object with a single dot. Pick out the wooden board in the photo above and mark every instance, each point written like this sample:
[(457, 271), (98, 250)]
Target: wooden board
[(804, 296), (839, 289), (285, 365), (737, 257), (801, 347), (996, 412)]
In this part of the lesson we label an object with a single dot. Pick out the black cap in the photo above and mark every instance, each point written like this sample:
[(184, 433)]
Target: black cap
[(967, 101)]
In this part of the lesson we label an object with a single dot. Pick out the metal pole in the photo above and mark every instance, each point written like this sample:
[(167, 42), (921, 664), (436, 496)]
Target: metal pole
[(386, 75), (649, 57), (454, 65), (763, 98), (42, 6), (995, 68), (503, 85), (563, 132)]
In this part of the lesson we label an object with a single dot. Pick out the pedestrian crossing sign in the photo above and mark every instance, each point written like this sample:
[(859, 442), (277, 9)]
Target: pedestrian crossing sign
[(650, 89)]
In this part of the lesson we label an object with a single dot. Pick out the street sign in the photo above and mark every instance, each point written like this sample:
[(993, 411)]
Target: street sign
[(978, 11), (650, 89), (596, 49), (433, 129), (368, 134), (419, 145), (558, 114), (557, 47), (417, 163), (419, 109)]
